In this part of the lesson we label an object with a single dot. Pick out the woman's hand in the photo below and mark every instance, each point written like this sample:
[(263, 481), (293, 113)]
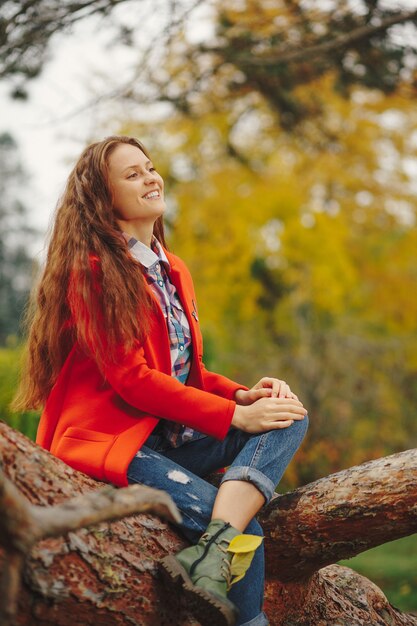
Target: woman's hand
[(268, 414), (265, 388)]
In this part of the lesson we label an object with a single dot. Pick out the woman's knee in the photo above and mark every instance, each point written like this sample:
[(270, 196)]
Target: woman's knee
[(290, 437), (299, 428)]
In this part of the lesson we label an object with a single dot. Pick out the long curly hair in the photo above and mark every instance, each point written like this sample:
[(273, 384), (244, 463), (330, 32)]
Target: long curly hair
[(92, 290)]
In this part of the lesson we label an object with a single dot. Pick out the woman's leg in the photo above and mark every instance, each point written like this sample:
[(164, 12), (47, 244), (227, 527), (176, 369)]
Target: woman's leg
[(256, 465), (251, 479), (248, 593), (195, 498)]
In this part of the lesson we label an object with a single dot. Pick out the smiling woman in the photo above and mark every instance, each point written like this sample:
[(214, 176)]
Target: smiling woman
[(115, 353), (137, 191)]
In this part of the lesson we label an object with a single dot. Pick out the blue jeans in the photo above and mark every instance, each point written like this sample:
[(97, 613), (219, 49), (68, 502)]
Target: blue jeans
[(260, 459)]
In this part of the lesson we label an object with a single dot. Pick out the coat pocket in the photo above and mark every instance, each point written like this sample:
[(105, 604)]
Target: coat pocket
[(85, 450)]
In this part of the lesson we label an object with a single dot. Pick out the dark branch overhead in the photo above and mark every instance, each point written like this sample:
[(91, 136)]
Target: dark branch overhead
[(263, 50), (338, 43)]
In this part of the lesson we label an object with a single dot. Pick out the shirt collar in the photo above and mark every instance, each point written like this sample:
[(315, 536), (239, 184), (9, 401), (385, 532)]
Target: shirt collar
[(146, 256)]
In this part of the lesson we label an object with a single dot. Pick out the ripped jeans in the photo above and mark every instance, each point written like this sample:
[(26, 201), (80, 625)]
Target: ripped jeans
[(260, 459)]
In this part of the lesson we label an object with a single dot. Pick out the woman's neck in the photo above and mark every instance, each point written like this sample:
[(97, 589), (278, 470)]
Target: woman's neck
[(141, 232)]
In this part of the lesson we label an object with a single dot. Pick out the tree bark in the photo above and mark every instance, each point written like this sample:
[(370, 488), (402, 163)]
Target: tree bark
[(108, 575), (333, 596), (340, 516)]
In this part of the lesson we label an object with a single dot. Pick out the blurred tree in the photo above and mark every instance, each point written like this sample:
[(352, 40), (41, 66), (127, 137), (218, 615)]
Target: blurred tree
[(27, 28), (270, 51), (10, 363), (305, 262), (276, 47), (15, 234), (302, 242), (259, 46)]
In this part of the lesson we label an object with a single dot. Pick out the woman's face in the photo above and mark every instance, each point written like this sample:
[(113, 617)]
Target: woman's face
[(137, 189)]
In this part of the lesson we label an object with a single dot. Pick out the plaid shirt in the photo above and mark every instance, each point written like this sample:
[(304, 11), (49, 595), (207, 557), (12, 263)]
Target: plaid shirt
[(157, 266)]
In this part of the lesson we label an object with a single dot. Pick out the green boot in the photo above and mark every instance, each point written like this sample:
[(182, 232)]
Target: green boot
[(204, 572)]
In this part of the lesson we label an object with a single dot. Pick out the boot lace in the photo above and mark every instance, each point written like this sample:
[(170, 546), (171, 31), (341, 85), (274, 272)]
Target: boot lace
[(226, 568), (207, 547)]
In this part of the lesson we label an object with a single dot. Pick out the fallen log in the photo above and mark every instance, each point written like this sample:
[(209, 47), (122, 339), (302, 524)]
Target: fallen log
[(340, 516), (107, 574)]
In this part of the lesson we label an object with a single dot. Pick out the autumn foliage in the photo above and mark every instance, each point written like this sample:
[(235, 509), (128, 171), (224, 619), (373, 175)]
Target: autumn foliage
[(304, 254)]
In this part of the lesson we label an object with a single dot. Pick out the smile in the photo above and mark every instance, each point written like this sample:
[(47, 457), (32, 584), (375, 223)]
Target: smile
[(151, 195)]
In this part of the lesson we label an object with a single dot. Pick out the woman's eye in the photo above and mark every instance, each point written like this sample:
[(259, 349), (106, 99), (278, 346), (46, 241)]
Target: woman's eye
[(133, 175), (152, 169)]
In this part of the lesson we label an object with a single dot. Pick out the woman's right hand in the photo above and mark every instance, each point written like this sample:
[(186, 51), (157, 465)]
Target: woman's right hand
[(268, 414)]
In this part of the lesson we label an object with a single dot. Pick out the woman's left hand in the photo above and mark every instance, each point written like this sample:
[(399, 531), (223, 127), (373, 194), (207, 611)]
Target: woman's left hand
[(265, 388)]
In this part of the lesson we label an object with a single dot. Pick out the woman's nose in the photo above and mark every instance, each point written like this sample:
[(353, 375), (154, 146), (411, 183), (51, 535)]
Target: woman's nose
[(150, 177)]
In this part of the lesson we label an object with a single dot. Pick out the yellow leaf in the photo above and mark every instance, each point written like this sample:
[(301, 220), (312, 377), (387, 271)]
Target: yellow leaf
[(244, 543), (240, 565), (243, 548)]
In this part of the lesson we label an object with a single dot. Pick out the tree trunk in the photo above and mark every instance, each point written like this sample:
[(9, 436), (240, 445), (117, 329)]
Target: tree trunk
[(335, 596), (340, 516), (108, 575)]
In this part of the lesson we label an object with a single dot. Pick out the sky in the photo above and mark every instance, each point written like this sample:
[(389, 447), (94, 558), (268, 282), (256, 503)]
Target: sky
[(53, 126)]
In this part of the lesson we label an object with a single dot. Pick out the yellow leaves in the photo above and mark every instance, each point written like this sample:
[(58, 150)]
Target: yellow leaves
[(244, 543), (240, 565), (304, 253), (243, 549), (320, 266), (253, 16)]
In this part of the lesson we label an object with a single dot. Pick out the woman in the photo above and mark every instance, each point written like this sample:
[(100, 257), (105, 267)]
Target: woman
[(115, 355)]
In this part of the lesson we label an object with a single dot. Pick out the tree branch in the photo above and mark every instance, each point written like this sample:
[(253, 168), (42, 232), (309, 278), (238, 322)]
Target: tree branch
[(22, 524), (281, 57), (109, 574), (341, 515), (9, 586), (108, 504), (16, 523)]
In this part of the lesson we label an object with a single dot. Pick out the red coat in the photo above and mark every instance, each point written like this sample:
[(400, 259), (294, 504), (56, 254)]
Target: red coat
[(97, 425)]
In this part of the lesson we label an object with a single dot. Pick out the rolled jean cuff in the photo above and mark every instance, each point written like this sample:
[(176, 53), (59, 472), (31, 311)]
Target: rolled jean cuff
[(259, 620), (254, 476)]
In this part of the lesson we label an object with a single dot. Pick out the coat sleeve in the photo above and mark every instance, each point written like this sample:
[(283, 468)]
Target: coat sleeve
[(218, 384), (161, 395), (212, 382), (154, 392)]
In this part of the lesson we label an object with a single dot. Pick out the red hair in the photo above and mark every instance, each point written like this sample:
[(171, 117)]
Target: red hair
[(92, 290)]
